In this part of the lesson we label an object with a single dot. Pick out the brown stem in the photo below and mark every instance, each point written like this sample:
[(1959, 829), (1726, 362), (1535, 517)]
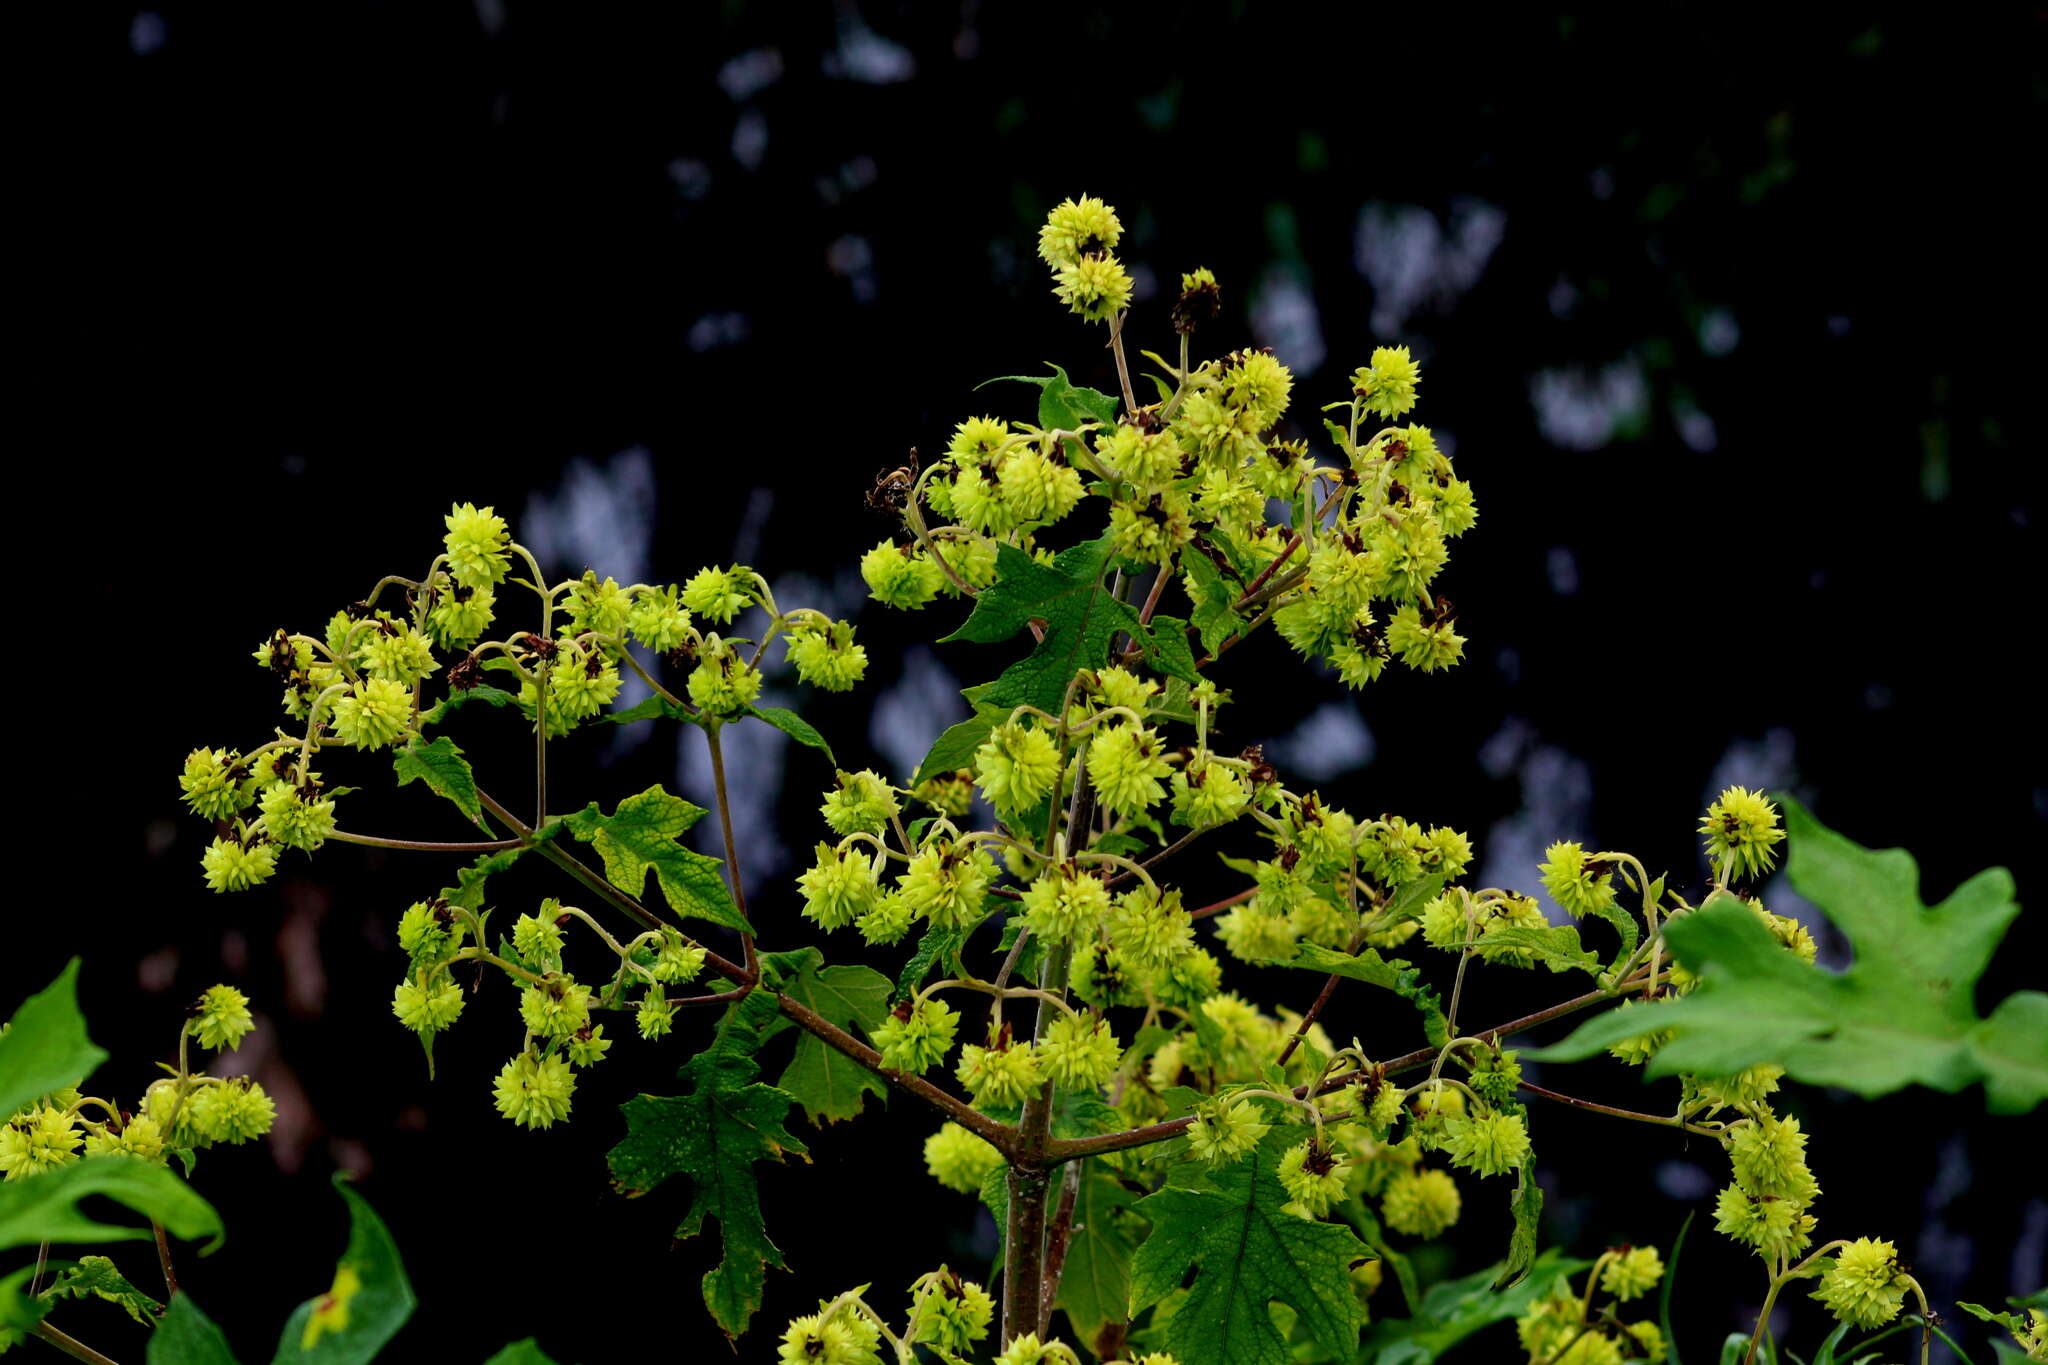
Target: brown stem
[(1072, 1149), (1152, 597), (1024, 1252), (70, 1346), (1609, 1110), (163, 1257), (1056, 1240), (732, 855), (1156, 859), (1123, 366), (1220, 906), (1308, 1020), (998, 1135), (1293, 544), (426, 846)]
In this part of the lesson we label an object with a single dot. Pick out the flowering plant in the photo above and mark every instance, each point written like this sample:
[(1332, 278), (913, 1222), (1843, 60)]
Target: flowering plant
[(1179, 1173)]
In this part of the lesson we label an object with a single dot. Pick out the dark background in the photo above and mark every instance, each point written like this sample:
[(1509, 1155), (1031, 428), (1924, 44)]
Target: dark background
[(1733, 321)]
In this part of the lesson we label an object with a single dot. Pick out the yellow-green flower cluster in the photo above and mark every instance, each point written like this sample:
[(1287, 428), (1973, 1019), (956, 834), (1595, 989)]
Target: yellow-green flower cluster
[(1864, 1285), (947, 1312), (1741, 830), (959, 1159), (1075, 243)]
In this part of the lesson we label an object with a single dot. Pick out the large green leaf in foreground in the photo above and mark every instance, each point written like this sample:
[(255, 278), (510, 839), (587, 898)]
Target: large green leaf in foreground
[(1903, 1013), (1247, 1251), (370, 1299), (713, 1135), (45, 1047)]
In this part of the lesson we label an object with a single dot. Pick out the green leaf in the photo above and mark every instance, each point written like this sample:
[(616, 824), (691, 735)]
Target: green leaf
[(955, 748), (941, 943), (1527, 1206), (527, 1352), (455, 701), (1095, 1283), (1165, 644), (1624, 924), (1247, 1251), (98, 1276), (795, 726), (1398, 975), (828, 1084), (468, 890), (19, 1312), (1903, 1012), (650, 708), (1556, 946), (641, 835), (1024, 588), (45, 1209), (45, 1047), (1080, 621), (1215, 597), (186, 1336), (713, 1136), (1455, 1309), (370, 1299), (1061, 406), (442, 767)]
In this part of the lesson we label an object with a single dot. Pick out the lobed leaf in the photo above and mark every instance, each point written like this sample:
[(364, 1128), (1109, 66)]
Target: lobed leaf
[(44, 1208), (1398, 975), (439, 763), (370, 1299), (640, 836), (44, 1047), (1901, 1014), (1095, 1283), (1247, 1251), (713, 1136)]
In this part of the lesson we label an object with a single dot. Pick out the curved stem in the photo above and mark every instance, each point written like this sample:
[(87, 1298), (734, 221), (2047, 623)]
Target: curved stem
[(70, 1346), (427, 845), (732, 855)]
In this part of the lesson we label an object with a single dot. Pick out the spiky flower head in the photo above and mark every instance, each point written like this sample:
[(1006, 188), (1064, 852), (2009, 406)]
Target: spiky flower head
[(654, 1016), (723, 682), (1864, 1286), (825, 654), (1387, 386), (959, 1159), (978, 439), (1743, 826), (232, 1111), (1200, 299), (887, 921), (587, 1046), (297, 817), (945, 883), (1096, 287), (1488, 1144), (221, 1020), (719, 594), (839, 887), (460, 616), (820, 1340), (427, 1008), (948, 1312), (37, 1140), (915, 1038), (141, 1137), (231, 865), (583, 681), (398, 653), (1313, 1175), (1004, 1072), (555, 1007), (213, 783), (1421, 1203), (678, 959), (1151, 928), (538, 938), (373, 714), (1148, 459), (478, 545), (1580, 884), (1207, 793), (1039, 488), (1225, 1129), (658, 618), (1017, 765), (1255, 390), (598, 605), (1065, 904), (1428, 645), (862, 803), (1632, 1273), (1078, 228), (426, 931), (1078, 1051), (1126, 763), (900, 575), (1769, 1156), (1029, 1350), (535, 1091), (1773, 1227)]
